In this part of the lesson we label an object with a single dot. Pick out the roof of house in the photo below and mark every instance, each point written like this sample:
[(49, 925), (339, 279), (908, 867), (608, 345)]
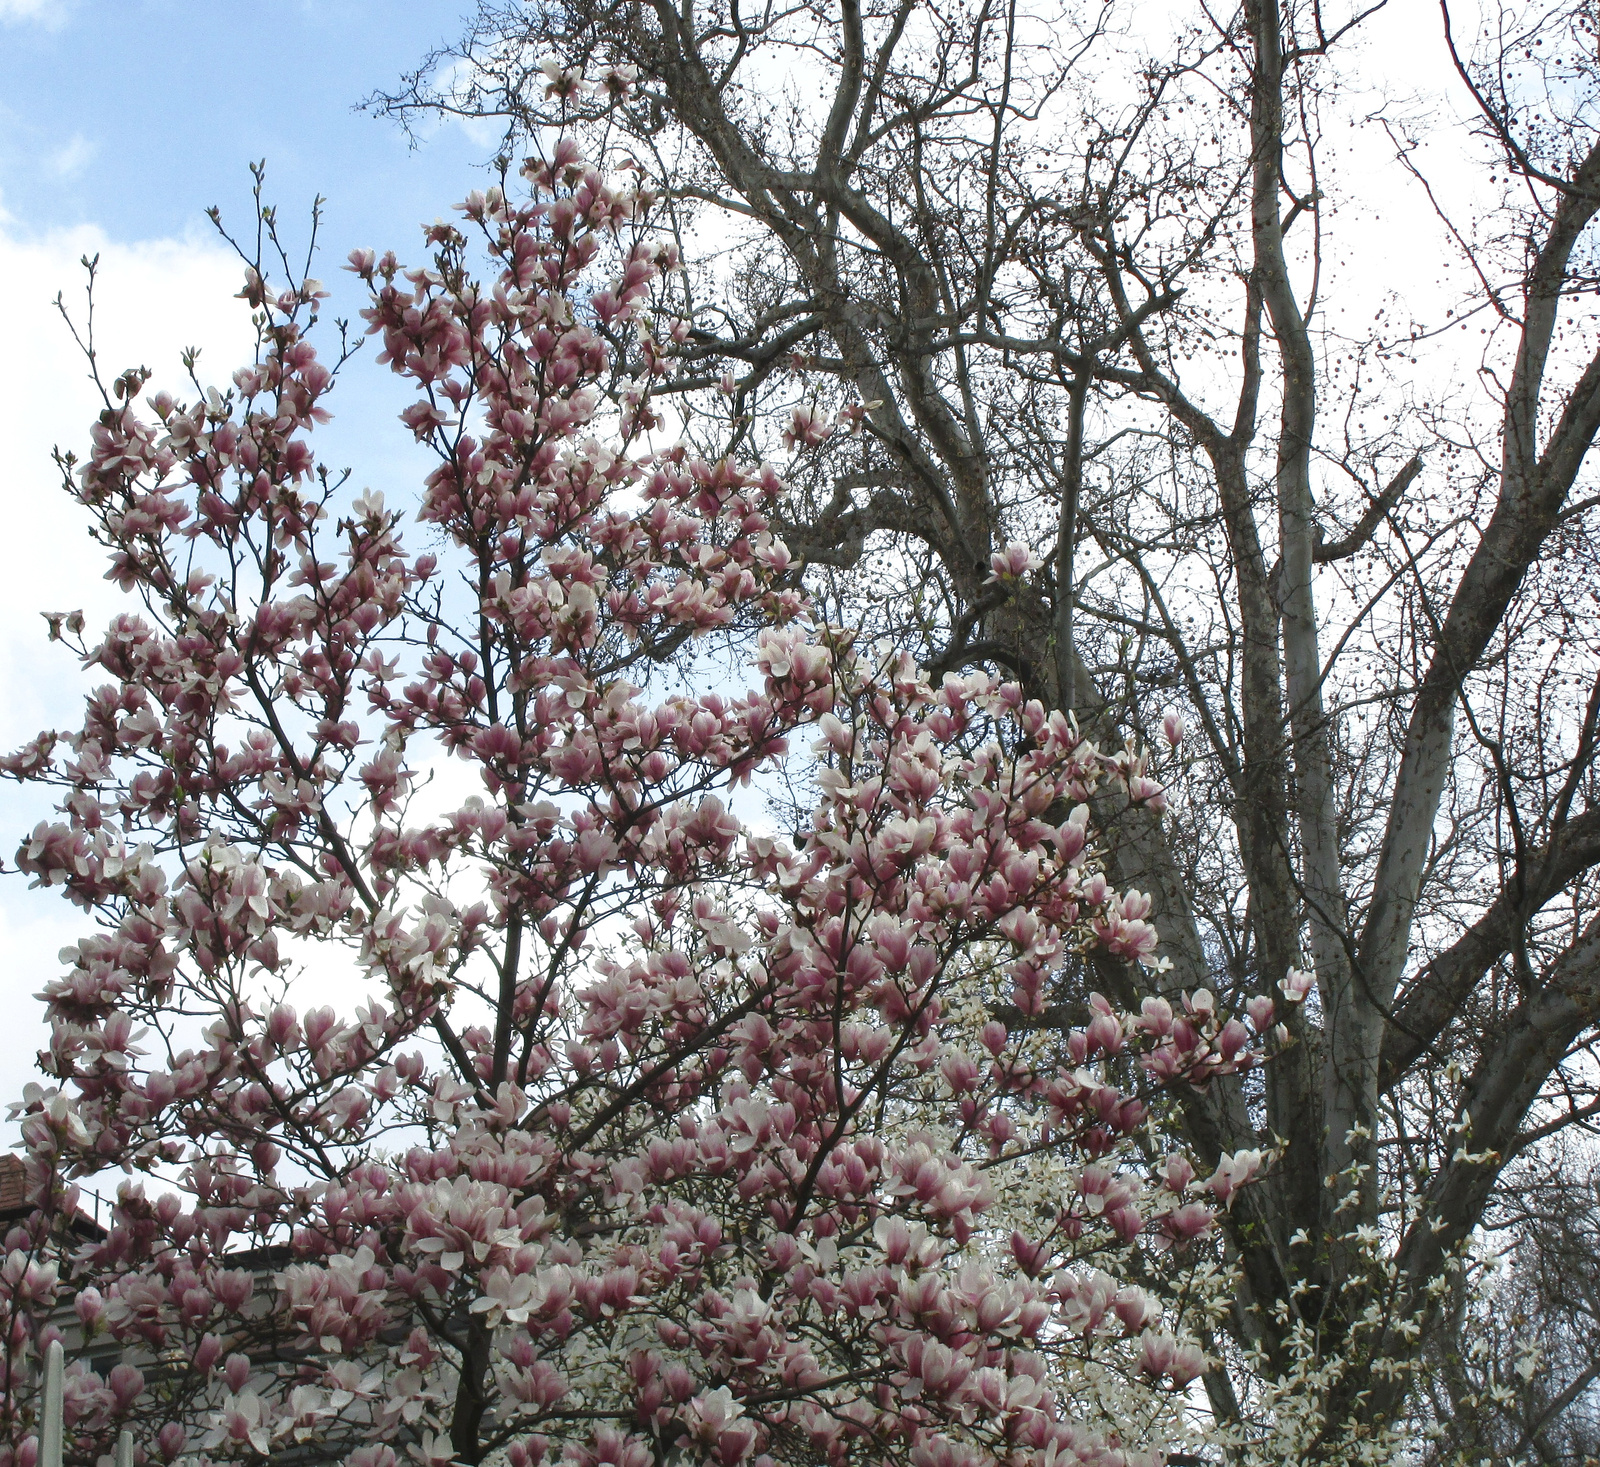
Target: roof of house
[(13, 1187), (15, 1204)]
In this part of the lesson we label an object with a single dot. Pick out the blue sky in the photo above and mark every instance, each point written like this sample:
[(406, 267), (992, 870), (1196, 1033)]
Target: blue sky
[(140, 113), (128, 119), (123, 121)]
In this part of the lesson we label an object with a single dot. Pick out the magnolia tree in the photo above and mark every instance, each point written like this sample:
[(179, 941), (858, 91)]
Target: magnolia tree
[(661, 1137)]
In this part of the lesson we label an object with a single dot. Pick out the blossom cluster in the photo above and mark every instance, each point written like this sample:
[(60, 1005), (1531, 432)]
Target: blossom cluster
[(663, 1135)]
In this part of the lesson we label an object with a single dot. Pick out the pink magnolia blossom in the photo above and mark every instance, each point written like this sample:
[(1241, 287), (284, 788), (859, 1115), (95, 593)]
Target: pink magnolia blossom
[(808, 426), (1296, 985), (1234, 1172), (1014, 562)]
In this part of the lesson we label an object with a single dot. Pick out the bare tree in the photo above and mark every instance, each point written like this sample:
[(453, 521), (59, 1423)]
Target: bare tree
[(1072, 286), (1517, 1378)]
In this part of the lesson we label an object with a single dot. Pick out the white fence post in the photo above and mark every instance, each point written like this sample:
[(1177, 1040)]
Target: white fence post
[(50, 1412), (51, 1421)]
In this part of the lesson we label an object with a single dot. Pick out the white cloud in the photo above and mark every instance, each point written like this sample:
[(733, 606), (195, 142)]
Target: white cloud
[(73, 156), (453, 80), (49, 13), (153, 299)]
